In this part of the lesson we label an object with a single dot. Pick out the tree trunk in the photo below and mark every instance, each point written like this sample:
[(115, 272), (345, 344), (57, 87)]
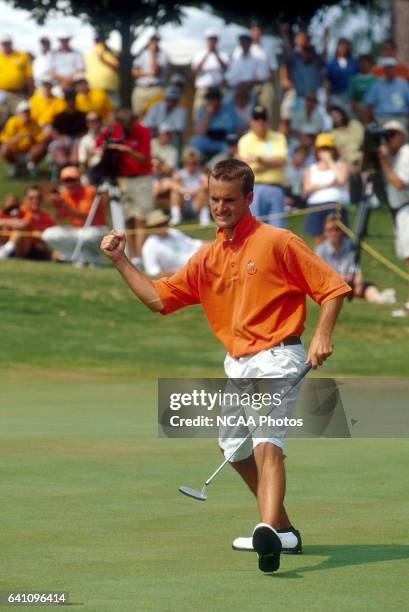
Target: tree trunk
[(400, 28), (125, 64)]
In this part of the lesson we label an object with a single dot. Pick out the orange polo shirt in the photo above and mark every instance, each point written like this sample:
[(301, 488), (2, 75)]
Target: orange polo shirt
[(253, 287), (81, 201)]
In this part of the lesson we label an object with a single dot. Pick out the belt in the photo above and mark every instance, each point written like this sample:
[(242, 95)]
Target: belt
[(290, 341)]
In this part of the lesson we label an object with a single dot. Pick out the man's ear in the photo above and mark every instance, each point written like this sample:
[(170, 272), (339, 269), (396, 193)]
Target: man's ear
[(249, 198)]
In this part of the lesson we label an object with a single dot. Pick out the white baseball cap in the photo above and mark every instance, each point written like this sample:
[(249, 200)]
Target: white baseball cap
[(5, 38), (395, 126), (22, 106), (211, 33), (64, 34), (388, 62)]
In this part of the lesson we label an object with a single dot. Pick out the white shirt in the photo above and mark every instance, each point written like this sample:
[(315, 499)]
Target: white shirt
[(86, 144), (144, 62), (167, 153), (171, 250), (400, 165), (326, 195), (211, 73), (245, 69), (66, 63), (157, 114), (263, 51), (41, 67)]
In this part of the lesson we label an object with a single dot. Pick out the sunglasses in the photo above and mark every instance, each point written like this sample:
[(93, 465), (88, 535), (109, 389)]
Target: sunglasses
[(69, 180)]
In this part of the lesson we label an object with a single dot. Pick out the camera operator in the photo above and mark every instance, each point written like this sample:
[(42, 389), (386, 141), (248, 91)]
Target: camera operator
[(394, 160), (132, 143)]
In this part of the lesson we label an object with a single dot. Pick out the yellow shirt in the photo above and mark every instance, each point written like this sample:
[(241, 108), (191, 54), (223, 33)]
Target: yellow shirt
[(28, 133), (43, 110), (95, 100), (99, 75), (15, 68), (274, 145)]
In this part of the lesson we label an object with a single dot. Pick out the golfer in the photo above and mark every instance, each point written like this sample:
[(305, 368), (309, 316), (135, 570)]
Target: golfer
[(252, 283)]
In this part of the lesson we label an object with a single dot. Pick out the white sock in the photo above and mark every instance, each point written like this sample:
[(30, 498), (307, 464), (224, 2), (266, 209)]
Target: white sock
[(288, 539), (7, 249), (204, 216), (175, 214)]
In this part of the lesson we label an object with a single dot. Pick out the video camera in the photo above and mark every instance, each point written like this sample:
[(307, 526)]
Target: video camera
[(374, 136)]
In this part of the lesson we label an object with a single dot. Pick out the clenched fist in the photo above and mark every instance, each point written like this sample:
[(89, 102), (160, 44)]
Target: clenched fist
[(113, 245)]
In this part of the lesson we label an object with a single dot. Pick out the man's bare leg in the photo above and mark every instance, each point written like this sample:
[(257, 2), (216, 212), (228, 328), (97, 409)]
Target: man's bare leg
[(247, 468)]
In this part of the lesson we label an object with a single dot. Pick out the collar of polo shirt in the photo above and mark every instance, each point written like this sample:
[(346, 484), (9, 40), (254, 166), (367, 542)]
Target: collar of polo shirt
[(241, 230)]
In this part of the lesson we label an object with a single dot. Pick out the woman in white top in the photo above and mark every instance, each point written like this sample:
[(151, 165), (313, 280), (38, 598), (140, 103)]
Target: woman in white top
[(325, 183)]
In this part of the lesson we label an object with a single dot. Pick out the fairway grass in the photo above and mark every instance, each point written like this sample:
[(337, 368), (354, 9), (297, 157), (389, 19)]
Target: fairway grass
[(89, 492)]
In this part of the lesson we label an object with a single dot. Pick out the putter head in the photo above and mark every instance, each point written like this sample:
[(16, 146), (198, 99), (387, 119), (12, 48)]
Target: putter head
[(200, 495)]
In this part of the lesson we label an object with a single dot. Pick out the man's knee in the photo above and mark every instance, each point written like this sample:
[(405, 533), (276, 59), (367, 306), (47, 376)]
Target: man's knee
[(268, 452)]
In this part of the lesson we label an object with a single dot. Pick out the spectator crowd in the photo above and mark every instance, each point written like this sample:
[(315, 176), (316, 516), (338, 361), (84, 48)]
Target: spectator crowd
[(298, 118)]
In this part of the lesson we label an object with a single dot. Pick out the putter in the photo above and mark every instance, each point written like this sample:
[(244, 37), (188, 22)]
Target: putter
[(202, 495)]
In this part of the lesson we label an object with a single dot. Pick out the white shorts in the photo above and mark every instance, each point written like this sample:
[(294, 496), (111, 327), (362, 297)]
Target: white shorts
[(278, 362), (402, 233)]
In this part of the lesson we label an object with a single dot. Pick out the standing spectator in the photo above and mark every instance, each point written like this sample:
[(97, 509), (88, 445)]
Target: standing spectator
[(340, 254), (66, 64), (325, 185), (208, 67), (102, 69), (31, 218), (309, 115), (166, 250), (394, 159), (73, 203), (348, 135), (148, 70), (42, 63), (45, 105), (294, 177), (67, 129), (88, 155), (95, 100), (389, 50), (245, 68), (360, 84), (388, 97), (22, 141), (265, 151), (132, 141), (340, 69), (188, 198), (168, 111), (16, 80), (213, 122)]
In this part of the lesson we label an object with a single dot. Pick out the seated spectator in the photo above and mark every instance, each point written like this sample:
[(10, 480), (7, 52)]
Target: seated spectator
[(164, 162), (309, 115), (325, 185), (189, 191), (213, 122), (41, 63), (88, 153), (265, 151), (95, 100), (30, 218), (243, 106), (348, 135), (67, 129), (360, 84), (22, 142), (44, 105), (166, 250), (102, 69), (389, 50), (231, 151), (244, 68), (16, 80), (168, 111), (339, 71), (73, 202), (339, 252), (148, 70), (178, 81), (208, 67), (388, 97), (9, 210), (307, 136), (66, 64), (294, 178)]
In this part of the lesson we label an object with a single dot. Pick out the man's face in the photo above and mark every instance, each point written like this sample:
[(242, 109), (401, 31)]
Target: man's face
[(334, 235), (301, 39), (212, 43), (213, 104), (64, 44), (389, 50), (7, 47), (395, 140), (245, 44), (259, 127), (227, 202), (389, 72), (34, 199), (256, 33)]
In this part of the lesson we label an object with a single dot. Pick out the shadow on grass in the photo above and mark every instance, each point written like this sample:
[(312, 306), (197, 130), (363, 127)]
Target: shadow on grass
[(342, 555)]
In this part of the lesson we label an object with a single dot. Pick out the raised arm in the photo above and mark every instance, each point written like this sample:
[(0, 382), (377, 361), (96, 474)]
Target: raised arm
[(113, 246)]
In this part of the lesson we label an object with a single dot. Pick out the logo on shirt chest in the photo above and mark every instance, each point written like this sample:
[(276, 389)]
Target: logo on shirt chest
[(251, 266)]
